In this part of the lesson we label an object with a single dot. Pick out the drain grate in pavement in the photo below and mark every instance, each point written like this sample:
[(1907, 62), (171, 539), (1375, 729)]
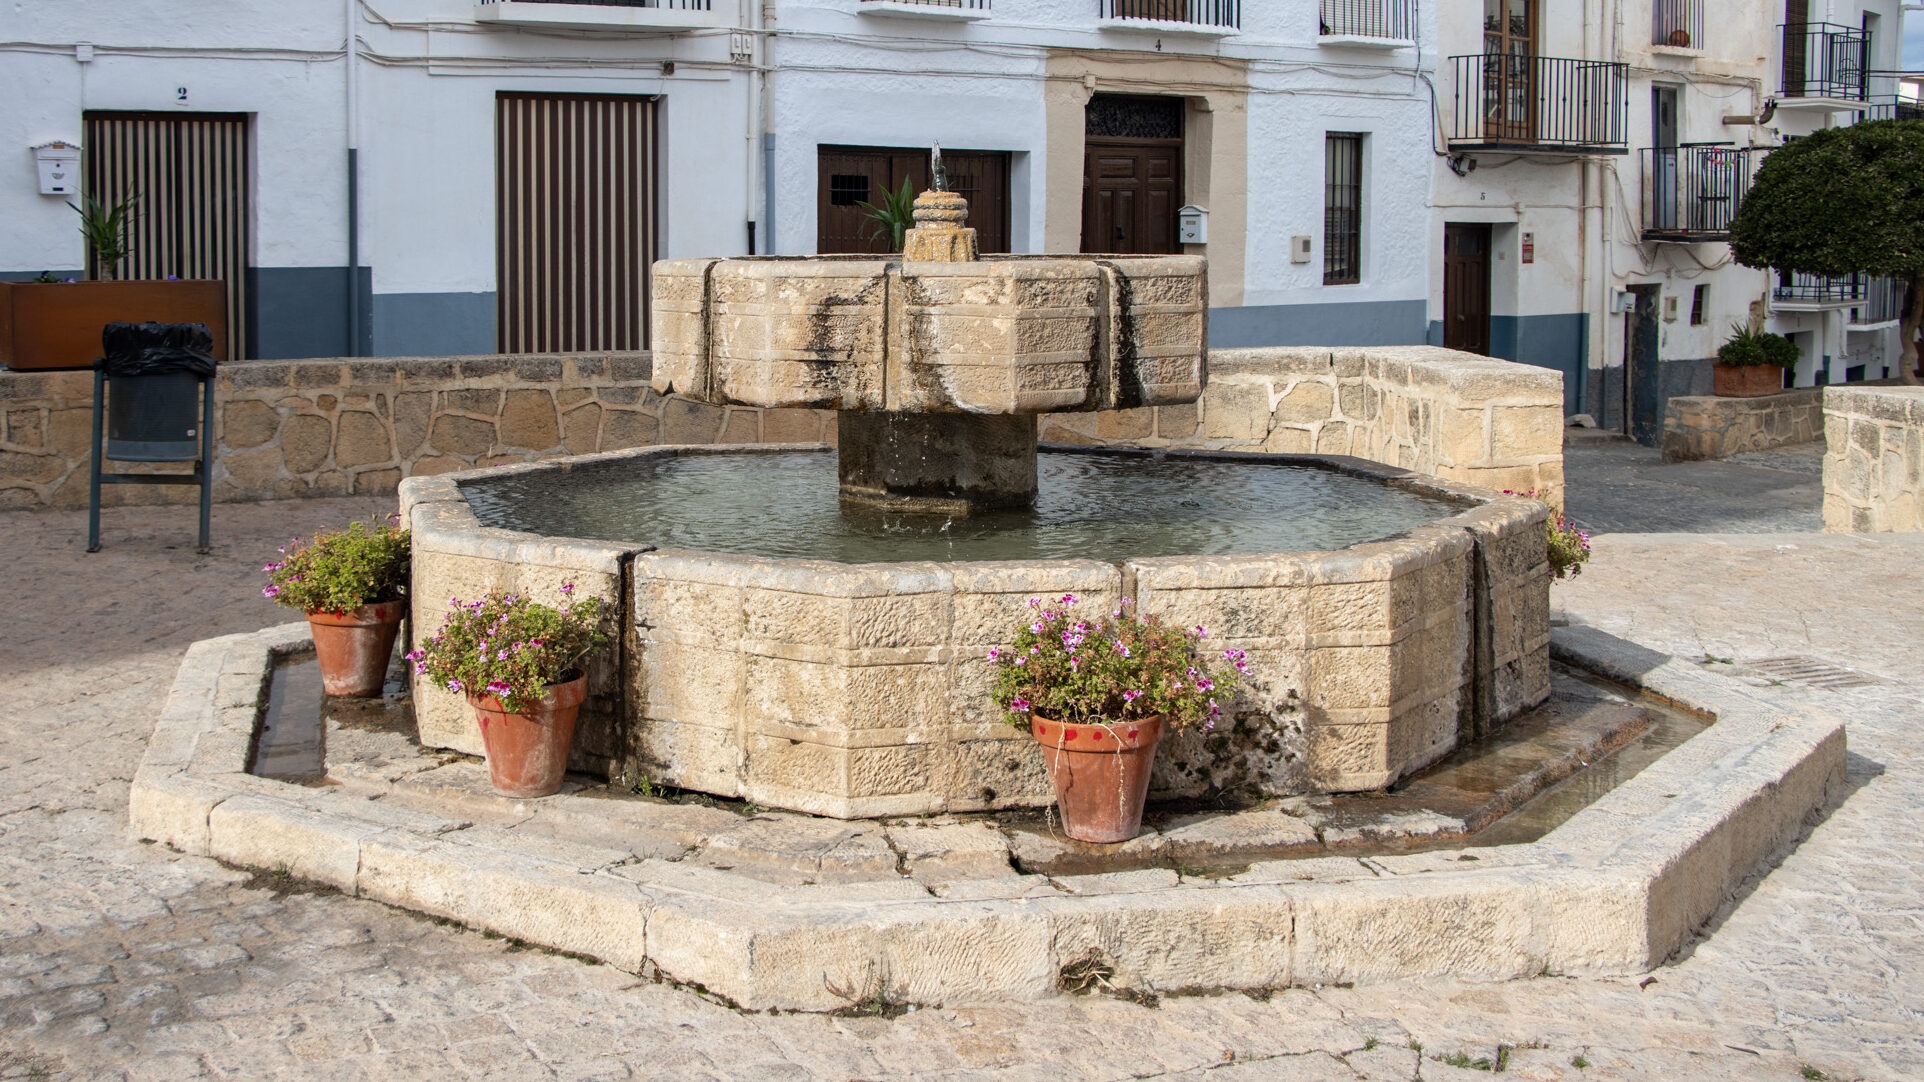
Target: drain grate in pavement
[(1810, 672)]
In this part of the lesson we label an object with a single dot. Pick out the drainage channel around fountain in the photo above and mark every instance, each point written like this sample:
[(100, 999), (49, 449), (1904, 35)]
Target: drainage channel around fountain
[(1589, 737), (776, 910)]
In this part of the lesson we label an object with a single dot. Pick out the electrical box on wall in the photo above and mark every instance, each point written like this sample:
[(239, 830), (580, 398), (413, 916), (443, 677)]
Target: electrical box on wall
[(1626, 301), (1670, 309), (1192, 225), (58, 166), (1299, 248)]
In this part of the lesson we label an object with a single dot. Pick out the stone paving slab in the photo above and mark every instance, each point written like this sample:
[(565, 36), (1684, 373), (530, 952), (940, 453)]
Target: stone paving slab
[(1819, 965)]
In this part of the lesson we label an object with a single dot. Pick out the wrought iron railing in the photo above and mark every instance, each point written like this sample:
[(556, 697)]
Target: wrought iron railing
[(1800, 288), (1540, 103), (672, 5), (1883, 301), (1222, 13), (1677, 22), (1692, 192), (1895, 109), (1824, 60), (1393, 20), (966, 5)]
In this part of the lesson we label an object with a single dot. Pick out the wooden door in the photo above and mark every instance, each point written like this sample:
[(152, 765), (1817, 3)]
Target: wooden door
[(849, 176), (1466, 287), (186, 174), (575, 225), (1642, 387), (1132, 175), (1509, 69)]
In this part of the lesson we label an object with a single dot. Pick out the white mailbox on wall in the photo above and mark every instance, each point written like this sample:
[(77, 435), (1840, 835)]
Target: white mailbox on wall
[(1192, 225), (58, 166)]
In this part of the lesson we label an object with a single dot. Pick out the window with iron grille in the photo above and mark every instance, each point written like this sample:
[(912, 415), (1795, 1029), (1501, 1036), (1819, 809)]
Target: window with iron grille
[(847, 189), (1343, 209), (1699, 303)]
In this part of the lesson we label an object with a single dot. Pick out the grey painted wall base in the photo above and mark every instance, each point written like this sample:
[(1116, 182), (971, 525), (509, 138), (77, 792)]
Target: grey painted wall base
[(295, 312), (432, 324), (1363, 323)]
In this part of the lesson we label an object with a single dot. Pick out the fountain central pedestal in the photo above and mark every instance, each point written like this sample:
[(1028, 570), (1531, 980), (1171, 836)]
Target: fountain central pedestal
[(939, 362)]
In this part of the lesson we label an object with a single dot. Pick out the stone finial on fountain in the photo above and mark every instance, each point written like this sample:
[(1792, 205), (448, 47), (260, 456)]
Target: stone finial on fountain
[(939, 235)]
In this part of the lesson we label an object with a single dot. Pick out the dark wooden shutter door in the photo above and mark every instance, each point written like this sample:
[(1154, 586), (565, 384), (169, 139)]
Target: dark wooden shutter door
[(188, 172), (576, 206), (1466, 287)]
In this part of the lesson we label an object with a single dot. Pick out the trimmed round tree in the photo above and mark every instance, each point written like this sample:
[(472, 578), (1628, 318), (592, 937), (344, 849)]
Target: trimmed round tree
[(1843, 201)]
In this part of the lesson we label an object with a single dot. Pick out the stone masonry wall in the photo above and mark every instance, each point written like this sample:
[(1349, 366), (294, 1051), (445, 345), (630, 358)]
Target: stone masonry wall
[(288, 429), (1698, 427), (332, 427), (1874, 459), (1493, 424)]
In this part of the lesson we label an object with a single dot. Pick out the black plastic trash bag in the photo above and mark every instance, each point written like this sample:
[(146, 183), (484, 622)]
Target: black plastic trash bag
[(155, 349)]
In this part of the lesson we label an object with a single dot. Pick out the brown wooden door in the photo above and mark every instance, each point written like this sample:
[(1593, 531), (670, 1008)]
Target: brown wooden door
[(575, 211), (187, 176), (1509, 69), (1131, 174), (1466, 287), (1796, 46), (850, 176), (1132, 190)]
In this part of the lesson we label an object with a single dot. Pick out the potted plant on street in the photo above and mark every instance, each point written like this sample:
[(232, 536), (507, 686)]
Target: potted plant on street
[(351, 584), (1098, 692), (55, 323), (523, 666), (1752, 363)]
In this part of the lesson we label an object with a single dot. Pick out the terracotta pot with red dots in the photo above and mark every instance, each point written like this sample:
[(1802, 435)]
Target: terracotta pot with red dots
[(1101, 773)]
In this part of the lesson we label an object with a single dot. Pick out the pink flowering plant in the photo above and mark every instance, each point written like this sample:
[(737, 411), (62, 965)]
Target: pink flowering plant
[(1071, 665), (341, 570), (511, 647), (1569, 546)]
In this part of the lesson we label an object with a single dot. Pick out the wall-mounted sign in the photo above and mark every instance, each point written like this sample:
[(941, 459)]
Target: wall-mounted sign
[(1529, 247)]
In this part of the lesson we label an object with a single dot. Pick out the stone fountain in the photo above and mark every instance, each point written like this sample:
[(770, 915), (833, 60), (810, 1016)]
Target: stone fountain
[(858, 689)]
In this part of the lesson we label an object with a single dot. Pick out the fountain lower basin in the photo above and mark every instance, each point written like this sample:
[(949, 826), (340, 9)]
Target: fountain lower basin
[(860, 690)]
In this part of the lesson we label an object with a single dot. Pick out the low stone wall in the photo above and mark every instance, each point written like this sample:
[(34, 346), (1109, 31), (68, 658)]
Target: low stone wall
[(1457, 416), (333, 427), (288, 429), (1707, 427), (1874, 459)]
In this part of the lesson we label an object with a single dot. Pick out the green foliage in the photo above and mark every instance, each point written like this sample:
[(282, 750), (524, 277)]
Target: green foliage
[(1579, 1063), (1109, 668), (1569, 546), (896, 214), (511, 647), (1838, 201), (104, 228), (342, 570), (1749, 346)]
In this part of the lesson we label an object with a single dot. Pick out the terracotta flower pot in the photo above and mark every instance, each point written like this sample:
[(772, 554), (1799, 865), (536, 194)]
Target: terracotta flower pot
[(1100, 773), (1747, 380), (528, 752), (354, 646)]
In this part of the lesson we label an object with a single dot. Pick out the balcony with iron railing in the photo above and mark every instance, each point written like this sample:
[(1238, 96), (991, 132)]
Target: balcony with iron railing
[(928, 9), (647, 16), (1883, 304), (1513, 102), (1795, 291), (1824, 63), (1214, 18), (1894, 108), (1378, 23), (1678, 24), (1691, 193)]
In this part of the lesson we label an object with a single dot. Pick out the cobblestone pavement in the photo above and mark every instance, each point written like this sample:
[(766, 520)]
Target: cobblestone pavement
[(122, 960), (1614, 485)]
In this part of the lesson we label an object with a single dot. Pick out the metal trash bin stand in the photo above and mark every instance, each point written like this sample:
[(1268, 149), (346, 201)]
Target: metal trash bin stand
[(144, 391)]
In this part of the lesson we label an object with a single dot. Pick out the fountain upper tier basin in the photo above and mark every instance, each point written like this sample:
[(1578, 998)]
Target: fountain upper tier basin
[(1015, 335)]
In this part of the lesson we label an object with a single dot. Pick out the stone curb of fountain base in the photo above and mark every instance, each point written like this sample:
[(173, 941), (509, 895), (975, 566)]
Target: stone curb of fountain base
[(1617, 888)]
